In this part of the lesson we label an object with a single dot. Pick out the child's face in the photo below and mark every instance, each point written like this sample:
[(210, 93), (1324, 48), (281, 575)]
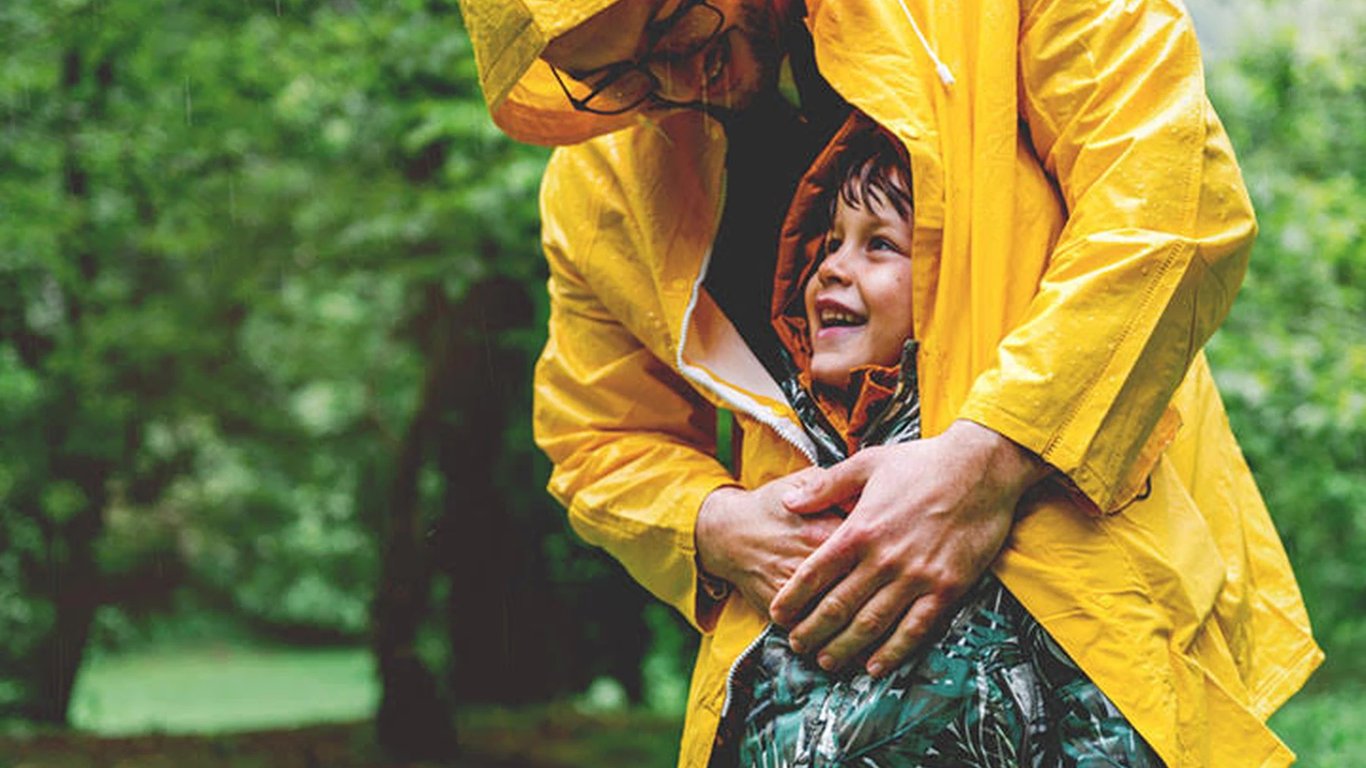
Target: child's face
[(858, 302)]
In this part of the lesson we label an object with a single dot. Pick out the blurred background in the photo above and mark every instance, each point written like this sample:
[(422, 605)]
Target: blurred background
[(270, 291)]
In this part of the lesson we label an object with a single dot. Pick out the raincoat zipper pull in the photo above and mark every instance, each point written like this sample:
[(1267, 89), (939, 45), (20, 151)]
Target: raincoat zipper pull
[(942, 69)]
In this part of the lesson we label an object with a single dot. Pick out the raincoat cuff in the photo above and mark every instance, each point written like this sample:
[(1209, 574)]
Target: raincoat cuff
[(660, 552), (1095, 489), (1078, 483)]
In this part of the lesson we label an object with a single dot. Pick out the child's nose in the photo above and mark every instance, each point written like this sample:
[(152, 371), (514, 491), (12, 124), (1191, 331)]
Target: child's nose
[(835, 266)]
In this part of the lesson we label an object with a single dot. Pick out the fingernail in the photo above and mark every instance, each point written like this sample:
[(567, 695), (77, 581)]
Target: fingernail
[(875, 669), (797, 646), (826, 661)]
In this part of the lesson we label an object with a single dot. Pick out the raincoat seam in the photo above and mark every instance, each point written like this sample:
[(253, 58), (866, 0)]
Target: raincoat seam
[(1109, 487), (1185, 240), (515, 33), (1267, 699)]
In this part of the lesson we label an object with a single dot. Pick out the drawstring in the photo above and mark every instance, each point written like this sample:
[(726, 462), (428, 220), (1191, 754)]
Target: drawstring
[(945, 76)]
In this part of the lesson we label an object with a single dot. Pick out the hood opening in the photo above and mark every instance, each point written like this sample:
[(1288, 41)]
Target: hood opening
[(852, 409)]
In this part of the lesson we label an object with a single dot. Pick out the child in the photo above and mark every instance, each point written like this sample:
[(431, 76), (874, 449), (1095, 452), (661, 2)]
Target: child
[(994, 689)]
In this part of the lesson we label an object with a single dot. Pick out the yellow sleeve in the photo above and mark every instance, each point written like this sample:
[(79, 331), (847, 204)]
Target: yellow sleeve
[(1155, 246), (631, 442)]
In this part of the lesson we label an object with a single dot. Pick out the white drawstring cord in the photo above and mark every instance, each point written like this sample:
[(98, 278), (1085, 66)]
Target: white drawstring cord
[(945, 76)]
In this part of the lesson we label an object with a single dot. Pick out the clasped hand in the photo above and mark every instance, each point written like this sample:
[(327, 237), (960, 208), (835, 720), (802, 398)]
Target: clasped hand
[(930, 517)]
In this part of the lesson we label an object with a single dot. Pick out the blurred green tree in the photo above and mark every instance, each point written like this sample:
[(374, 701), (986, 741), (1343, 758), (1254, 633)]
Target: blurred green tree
[(1291, 359), (269, 295)]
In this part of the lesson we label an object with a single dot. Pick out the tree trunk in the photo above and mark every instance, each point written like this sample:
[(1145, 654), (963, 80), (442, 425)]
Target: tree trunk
[(511, 639), (67, 576), (414, 718), (70, 580)]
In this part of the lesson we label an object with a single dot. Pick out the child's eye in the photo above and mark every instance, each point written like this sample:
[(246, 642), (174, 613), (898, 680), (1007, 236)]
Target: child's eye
[(832, 244), (882, 244)]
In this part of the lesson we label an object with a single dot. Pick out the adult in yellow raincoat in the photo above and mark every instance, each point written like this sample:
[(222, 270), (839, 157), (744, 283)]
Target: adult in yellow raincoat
[(1080, 230)]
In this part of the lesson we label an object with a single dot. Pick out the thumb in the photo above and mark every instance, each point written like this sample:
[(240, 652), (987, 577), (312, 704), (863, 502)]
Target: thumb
[(820, 490)]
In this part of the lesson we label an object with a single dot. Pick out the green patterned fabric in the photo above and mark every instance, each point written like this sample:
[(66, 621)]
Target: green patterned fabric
[(994, 690)]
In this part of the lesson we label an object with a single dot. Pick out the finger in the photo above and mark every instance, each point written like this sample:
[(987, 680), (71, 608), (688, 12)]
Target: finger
[(819, 491), (809, 532), (910, 632), (872, 622), (816, 573), (834, 611)]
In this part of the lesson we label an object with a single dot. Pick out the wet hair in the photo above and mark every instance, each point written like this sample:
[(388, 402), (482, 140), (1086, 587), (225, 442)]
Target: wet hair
[(873, 168)]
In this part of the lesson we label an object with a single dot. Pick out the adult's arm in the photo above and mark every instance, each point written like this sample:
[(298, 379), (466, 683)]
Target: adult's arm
[(1155, 246), (1156, 243), (632, 443)]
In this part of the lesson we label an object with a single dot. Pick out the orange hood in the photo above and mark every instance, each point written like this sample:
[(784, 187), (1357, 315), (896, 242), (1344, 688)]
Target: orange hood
[(799, 249)]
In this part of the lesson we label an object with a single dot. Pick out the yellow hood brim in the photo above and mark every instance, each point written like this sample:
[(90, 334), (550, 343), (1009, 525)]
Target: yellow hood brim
[(520, 90)]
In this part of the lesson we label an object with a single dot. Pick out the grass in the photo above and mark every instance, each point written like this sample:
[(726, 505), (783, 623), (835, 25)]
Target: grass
[(219, 689)]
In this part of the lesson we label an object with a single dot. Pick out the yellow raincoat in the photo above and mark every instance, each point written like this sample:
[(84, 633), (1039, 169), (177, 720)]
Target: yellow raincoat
[(1081, 228)]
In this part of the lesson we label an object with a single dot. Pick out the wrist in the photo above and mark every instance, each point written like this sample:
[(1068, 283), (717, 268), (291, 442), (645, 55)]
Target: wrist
[(1014, 466), (712, 587), (708, 534)]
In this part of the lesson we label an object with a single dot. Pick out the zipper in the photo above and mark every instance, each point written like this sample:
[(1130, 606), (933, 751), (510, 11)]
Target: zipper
[(782, 427), (790, 433), (730, 674)]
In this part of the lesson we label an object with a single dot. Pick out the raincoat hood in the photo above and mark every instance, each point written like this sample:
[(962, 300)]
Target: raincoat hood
[(850, 411), (519, 88)]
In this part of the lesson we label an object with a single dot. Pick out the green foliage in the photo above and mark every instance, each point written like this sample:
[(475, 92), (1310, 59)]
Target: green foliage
[(221, 220), (231, 230), (668, 666), (1326, 728), (1291, 359)]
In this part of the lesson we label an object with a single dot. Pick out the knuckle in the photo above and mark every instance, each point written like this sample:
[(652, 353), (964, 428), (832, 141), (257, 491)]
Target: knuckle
[(833, 609), (915, 627), (845, 543), (948, 589), (858, 536), (815, 532), (887, 564), (939, 577), (869, 624), (894, 650)]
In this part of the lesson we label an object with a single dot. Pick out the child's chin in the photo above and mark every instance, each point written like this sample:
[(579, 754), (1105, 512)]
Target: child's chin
[(836, 377)]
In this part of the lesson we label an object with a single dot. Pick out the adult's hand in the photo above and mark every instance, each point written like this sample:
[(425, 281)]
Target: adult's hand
[(931, 516), (750, 539)]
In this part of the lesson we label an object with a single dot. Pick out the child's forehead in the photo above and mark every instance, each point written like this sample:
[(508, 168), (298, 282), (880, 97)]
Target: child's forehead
[(870, 203)]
